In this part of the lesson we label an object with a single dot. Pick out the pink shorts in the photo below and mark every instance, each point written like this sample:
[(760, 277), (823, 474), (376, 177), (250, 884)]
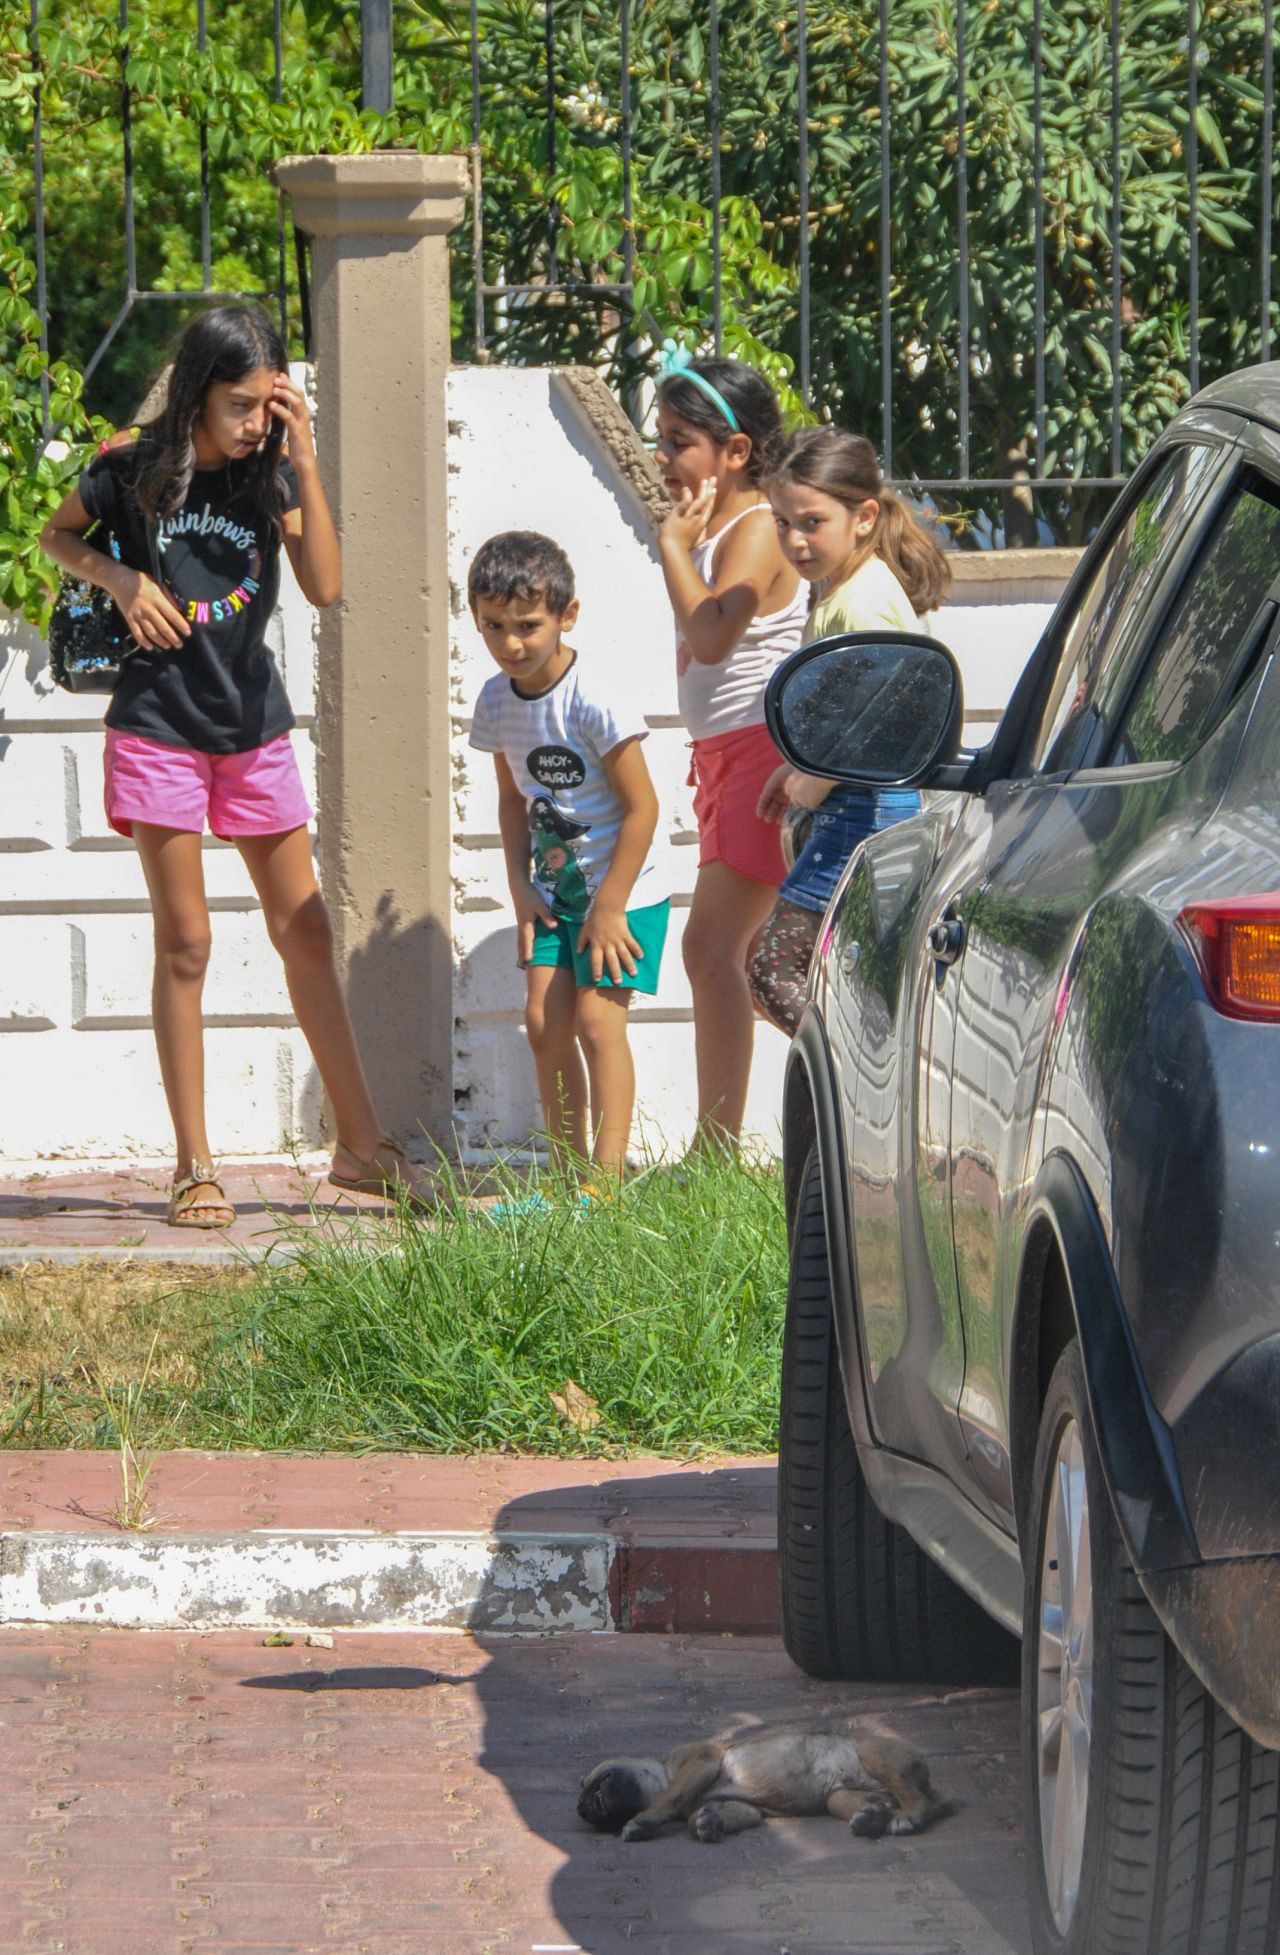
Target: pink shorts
[(254, 793), (729, 772)]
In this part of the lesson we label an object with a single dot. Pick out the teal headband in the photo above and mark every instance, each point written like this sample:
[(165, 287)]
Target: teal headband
[(677, 364)]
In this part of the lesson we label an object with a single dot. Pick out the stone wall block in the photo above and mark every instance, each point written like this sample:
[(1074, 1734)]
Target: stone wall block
[(113, 963), (35, 976)]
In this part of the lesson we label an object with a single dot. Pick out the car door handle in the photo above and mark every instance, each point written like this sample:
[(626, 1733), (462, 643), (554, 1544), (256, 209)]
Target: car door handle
[(946, 940)]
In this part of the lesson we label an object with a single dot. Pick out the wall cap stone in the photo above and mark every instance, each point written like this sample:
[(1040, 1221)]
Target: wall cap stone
[(605, 416), (390, 191), (1012, 566)]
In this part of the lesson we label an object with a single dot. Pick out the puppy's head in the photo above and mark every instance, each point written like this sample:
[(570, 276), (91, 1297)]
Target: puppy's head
[(618, 1789)]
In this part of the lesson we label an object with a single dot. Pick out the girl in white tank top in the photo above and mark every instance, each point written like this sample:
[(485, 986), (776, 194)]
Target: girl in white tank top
[(739, 608)]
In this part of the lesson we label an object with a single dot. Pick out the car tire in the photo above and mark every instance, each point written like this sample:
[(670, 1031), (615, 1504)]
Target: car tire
[(1154, 1820), (859, 1598)]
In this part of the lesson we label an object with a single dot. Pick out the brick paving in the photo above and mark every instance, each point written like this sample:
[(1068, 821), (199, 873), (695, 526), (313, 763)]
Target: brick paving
[(653, 1500), (120, 1210), (180, 1794)]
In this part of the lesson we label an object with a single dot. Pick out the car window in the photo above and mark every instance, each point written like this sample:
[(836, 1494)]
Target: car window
[(1106, 616), (1218, 620)]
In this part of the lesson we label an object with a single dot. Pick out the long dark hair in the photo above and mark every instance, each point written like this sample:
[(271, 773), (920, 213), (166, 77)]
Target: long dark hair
[(223, 343), (748, 393), (845, 466)]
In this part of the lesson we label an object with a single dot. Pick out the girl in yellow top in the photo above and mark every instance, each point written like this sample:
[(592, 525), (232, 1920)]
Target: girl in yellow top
[(870, 565)]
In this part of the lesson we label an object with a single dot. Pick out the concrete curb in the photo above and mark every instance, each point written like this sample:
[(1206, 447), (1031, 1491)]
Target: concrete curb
[(513, 1583)]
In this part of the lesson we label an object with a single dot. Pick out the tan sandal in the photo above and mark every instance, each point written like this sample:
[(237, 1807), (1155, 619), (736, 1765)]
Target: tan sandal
[(388, 1171), (185, 1211)]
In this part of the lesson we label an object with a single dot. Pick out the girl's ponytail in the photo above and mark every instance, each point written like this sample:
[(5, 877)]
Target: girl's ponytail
[(904, 543), (844, 466)]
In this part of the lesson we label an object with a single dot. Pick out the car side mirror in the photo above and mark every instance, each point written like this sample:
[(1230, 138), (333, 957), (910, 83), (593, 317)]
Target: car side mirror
[(880, 708)]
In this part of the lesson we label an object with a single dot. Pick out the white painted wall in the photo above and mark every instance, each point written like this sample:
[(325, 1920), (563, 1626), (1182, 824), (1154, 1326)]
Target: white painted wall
[(78, 1075)]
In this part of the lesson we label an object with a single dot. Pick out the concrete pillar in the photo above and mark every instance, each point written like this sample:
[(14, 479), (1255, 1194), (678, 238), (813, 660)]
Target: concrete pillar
[(380, 302)]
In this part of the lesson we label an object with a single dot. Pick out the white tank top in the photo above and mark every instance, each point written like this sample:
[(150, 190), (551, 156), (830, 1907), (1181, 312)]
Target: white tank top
[(729, 697)]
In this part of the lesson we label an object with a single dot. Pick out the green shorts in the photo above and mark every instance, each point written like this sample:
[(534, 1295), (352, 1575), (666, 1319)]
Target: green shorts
[(557, 943)]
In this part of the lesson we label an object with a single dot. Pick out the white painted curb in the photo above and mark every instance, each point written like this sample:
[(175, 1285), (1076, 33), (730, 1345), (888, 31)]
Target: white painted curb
[(316, 1579)]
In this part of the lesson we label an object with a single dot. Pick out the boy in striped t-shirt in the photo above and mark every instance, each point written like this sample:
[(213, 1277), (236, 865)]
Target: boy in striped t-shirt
[(578, 816)]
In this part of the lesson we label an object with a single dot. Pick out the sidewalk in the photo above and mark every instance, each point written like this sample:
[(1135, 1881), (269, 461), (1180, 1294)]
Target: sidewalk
[(194, 1791), (176, 1794), (490, 1543), (117, 1211)]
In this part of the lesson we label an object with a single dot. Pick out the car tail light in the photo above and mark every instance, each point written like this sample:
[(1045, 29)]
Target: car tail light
[(1238, 947)]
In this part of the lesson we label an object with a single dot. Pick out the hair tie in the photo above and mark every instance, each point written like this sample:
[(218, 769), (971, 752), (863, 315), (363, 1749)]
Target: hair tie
[(677, 364)]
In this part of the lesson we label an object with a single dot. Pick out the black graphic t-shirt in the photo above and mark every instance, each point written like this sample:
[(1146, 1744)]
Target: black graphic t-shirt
[(219, 555)]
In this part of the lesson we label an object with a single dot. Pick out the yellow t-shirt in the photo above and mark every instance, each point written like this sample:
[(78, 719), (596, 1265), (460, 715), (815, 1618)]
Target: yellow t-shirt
[(872, 597)]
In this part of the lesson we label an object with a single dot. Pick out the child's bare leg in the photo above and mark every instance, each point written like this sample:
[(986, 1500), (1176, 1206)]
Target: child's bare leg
[(174, 871), (550, 1019), (298, 925), (727, 911), (602, 1030)]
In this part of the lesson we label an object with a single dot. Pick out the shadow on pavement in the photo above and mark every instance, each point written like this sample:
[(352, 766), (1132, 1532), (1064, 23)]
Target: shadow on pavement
[(395, 1676), (554, 1708)]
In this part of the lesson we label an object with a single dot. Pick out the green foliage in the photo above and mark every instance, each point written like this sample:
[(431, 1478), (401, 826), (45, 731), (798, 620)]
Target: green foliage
[(571, 205)]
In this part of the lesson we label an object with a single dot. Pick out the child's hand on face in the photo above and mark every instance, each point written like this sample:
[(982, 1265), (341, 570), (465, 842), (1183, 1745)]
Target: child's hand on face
[(288, 405), (612, 946), (530, 909), (690, 515)]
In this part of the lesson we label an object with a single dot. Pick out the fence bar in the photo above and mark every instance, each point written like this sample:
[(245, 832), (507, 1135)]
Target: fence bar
[(206, 243), (1117, 261), (126, 133), (1193, 192), (375, 56), (477, 189), (1037, 137), (713, 113), (802, 111), (282, 259), (42, 285), (962, 226), (624, 110), (549, 20), (1268, 193), (886, 248), (583, 288), (911, 483)]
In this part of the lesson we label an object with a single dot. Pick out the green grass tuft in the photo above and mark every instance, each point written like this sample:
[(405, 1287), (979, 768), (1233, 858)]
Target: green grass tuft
[(664, 1306)]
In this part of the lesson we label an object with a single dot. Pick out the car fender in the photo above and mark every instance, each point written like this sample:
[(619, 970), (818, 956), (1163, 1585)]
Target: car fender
[(1134, 1443)]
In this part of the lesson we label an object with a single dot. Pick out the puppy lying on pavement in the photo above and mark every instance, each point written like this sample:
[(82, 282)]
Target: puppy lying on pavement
[(725, 1785)]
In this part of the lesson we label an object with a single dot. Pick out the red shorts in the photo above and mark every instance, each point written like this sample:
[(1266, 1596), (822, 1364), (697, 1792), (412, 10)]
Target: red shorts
[(729, 772), (254, 793)]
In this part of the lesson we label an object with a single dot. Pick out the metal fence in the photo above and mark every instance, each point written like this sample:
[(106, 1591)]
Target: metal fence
[(554, 287), (551, 274), (134, 294)]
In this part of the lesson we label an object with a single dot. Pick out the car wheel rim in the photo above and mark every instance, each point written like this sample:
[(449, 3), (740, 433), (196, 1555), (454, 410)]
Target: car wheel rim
[(1064, 1679)]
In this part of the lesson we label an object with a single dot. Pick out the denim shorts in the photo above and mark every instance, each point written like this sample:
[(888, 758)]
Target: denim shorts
[(846, 817)]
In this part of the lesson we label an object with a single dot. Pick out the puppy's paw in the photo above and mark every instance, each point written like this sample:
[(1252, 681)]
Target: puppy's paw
[(904, 1822), (639, 1828), (871, 1823), (707, 1825)]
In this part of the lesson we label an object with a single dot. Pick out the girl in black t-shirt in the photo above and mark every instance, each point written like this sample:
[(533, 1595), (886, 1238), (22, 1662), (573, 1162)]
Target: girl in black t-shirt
[(198, 726)]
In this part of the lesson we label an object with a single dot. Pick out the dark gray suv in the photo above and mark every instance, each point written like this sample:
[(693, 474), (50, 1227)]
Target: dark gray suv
[(1031, 1382)]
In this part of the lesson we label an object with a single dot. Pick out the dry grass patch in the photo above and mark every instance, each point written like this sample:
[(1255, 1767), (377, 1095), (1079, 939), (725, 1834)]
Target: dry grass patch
[(71, 1338)]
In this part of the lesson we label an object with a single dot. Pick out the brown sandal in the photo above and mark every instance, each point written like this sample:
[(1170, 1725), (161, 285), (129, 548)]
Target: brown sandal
[(389, 1172), (186, 1212)]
